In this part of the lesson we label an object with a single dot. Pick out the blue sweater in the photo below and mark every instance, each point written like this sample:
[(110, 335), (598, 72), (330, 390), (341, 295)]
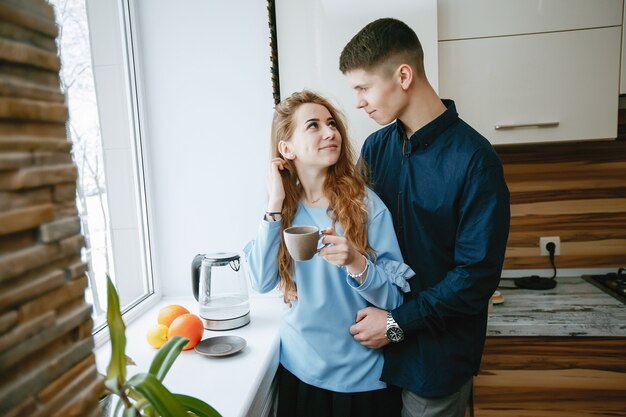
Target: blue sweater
[(445, 187), (315, 342)]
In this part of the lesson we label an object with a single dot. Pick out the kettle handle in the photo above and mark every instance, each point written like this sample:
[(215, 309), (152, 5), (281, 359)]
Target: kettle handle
[(195, 274)]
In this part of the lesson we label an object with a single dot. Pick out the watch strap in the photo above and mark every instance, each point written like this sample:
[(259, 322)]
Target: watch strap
[(393, 332), (273, 215)]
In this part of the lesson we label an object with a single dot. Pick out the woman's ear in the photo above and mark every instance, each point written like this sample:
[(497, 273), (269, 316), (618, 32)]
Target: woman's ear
[(283, 148)]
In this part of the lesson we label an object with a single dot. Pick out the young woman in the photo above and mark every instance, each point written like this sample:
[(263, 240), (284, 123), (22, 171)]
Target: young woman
[(313, 180)]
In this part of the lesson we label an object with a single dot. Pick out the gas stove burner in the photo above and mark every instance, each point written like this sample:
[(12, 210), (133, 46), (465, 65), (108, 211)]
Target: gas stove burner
[(613, 283)]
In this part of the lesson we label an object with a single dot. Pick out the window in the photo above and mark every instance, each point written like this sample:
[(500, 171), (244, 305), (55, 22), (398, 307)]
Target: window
[(98, 79)]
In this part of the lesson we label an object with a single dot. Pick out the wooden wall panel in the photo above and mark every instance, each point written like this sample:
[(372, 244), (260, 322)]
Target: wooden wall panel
[(551, 377), (47, 366), (549, 353), (574, 190)]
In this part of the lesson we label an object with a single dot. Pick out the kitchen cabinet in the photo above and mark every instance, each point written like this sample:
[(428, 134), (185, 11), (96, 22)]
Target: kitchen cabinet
[(551, 376), (622, 78), (553, 353), (533, 71)]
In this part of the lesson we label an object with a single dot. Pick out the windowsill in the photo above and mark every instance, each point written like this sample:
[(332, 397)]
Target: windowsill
[(236, 385), (102, 336)]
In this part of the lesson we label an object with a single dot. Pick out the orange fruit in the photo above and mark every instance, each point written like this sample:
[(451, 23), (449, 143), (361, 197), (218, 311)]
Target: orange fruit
[(189, 326), (168, 313), (157, 335)]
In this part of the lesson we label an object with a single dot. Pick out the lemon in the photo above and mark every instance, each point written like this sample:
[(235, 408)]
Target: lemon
[(157, 335)]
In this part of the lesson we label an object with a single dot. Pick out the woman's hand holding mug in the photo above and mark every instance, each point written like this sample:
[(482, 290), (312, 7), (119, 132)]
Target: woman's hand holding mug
[(339, 251)]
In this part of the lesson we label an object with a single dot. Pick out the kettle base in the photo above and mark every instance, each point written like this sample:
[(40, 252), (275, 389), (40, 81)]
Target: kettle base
[(227, 324)]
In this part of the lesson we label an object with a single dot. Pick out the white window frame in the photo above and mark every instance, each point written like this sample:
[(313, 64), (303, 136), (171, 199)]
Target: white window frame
[(117, 80)]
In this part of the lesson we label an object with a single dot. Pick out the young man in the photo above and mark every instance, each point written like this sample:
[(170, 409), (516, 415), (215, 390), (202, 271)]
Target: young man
[(444, 185)]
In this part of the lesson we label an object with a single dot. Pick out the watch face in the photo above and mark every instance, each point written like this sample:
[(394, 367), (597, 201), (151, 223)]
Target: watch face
[(395, 334)]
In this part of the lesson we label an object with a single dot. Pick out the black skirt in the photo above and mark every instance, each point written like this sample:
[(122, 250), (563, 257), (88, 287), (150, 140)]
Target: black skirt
[(298, 399)]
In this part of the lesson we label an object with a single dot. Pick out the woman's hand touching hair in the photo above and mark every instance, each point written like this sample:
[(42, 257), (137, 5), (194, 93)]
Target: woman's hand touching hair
[(275, 187)]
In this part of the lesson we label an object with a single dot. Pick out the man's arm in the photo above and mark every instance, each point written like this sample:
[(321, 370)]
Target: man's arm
[(484, 216), (465, 290)]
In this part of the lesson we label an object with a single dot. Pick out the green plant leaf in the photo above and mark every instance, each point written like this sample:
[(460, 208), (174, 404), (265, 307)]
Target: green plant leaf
[(130, 412), (131, 393), (166, 356), (118, 408), (198, 407), (141, 403), (117, 329), (130, 361), (112, 385), (161, 399), (148, 411)]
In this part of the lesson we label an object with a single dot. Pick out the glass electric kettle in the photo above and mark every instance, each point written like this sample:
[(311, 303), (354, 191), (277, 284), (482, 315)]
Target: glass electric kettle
[(220, 287)]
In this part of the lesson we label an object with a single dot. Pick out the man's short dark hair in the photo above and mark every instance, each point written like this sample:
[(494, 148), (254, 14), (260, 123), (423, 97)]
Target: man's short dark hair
[(383, 41)]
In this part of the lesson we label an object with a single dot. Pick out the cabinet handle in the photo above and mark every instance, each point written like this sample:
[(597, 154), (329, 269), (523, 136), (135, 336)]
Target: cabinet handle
[(522, 125)]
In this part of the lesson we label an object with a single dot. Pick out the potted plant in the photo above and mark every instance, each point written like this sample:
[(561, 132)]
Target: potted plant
[(144, 393)]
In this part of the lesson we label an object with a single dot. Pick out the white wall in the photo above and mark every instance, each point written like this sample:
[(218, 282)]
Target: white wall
[(312, 34), (207, 104), (207, 107)]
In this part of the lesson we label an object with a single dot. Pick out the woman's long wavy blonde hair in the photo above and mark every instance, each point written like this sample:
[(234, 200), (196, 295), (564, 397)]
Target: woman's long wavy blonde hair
[(344, 186)]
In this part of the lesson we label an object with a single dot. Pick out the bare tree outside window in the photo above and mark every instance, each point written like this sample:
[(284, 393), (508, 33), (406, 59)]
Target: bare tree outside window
[(77, 83)]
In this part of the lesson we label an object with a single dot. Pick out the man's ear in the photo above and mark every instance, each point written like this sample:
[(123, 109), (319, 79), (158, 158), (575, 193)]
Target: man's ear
[(405, 76), (283, 148)]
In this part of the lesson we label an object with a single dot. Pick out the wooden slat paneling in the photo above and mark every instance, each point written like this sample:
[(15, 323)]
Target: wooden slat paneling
[(542, 353), (574, 190), (551, 377), (594, 223), (532, 262), (564, 169), (520, 239), (519, 197), (592, 248), (563, 152), (558, 207)]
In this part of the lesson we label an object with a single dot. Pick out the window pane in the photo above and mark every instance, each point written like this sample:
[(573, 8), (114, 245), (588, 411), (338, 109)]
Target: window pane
[(95, 171)]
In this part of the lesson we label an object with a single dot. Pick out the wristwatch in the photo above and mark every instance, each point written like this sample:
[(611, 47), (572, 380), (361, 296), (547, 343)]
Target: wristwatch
[(272, 216), (393, 332)]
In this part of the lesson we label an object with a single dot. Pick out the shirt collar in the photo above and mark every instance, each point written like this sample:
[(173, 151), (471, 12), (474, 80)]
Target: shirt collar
[(426, 135)]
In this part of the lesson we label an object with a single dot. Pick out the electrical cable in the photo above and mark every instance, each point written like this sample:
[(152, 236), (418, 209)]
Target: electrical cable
[(551, 249), (535, 282)]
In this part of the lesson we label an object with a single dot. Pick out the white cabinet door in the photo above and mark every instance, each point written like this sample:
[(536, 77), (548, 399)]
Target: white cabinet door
[(462, 19), (535, 88), (622, 81)]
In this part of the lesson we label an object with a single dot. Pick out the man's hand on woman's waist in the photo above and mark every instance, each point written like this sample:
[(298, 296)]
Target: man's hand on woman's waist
[(370, 328)]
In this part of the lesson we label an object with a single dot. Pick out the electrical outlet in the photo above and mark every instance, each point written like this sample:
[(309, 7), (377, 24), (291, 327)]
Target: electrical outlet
[(543, 241)]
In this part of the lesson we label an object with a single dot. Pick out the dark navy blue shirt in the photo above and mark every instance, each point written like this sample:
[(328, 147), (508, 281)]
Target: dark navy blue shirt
[(446, 191)]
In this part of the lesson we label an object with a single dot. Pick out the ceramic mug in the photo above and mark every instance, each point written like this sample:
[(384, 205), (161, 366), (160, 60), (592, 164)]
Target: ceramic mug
[(302, 241)]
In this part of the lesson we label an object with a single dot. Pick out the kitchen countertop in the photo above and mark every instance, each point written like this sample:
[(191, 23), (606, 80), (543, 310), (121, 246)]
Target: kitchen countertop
[(236, 385), (573, 308), (239, 385)]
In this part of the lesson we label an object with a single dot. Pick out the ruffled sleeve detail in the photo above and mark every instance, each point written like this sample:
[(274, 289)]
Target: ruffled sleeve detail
[(398, 273)]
